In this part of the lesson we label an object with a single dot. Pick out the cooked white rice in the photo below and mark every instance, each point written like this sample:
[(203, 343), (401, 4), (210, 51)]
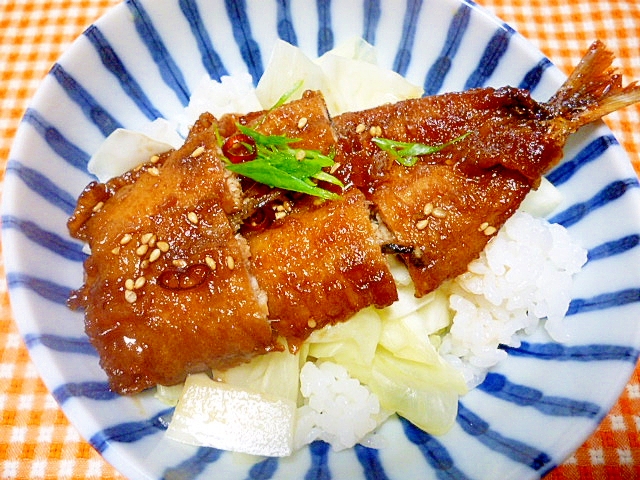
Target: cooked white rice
[(337, 408), (523, 276)]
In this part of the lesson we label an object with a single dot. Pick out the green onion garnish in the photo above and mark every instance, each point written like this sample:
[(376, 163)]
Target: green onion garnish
[(277, 164), (407, 153)]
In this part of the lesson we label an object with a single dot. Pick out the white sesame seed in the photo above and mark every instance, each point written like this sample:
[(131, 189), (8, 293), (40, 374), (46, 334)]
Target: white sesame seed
[(126, 238), (145, 238), (280, 215), (192, 217), (428, 209), (155, 255), (375, 131), (311, 323), (483, 226), (154, 171), (128, 284), (302, 122), (139, 283), (142, 249), (130, 296), (490, 230), (116, 251), (230, 262), (163, 246), (144, 264), (197, 152), (98, 206), (154, 158), (211, 263), (334, 168), (300, 155), (439, 212), (422, 224), (361, 128), (179, 262)]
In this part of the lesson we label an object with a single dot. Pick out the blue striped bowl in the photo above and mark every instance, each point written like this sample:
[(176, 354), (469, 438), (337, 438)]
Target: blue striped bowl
[(142, 60)]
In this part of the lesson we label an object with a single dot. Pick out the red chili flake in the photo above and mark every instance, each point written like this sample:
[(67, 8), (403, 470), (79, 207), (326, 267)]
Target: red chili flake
[(240, 148), (260, 220)]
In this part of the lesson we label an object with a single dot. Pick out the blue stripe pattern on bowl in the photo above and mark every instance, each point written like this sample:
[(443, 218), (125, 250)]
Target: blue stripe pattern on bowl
[(142, 61)]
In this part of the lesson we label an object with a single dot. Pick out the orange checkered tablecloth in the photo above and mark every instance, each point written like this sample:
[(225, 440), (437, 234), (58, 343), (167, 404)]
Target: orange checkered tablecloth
[(36, 440)]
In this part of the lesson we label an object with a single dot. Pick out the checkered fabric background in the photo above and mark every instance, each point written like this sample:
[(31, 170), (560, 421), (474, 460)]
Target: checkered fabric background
[(36, 440)]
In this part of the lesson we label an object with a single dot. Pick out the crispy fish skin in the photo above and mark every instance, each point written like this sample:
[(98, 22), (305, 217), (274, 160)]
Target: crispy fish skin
[(446, 208), (437, 207), (166, 269), (320, 265), (157, 332)]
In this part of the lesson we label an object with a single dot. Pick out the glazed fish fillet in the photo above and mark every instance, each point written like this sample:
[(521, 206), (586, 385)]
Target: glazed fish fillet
[(166, 269), (182, 277), (443, 210), (320, 264)]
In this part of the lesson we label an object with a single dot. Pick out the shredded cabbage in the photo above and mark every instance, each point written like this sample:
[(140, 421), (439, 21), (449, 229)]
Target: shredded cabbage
[(395, 358), (216, 414), (348, 77), (349, 342), (275, 373)]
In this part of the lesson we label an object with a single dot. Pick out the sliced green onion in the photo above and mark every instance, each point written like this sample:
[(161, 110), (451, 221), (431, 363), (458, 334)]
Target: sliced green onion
[(279, 165), (408, 153)]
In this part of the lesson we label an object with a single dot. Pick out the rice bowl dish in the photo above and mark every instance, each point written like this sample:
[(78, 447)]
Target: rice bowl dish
[(473, 362), (523, 277)]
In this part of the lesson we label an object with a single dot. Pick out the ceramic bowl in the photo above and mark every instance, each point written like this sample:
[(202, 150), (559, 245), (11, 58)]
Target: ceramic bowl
[(144, 58)]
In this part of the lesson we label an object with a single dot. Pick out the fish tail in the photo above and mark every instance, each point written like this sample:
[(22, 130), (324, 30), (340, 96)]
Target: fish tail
[(593, 90)]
